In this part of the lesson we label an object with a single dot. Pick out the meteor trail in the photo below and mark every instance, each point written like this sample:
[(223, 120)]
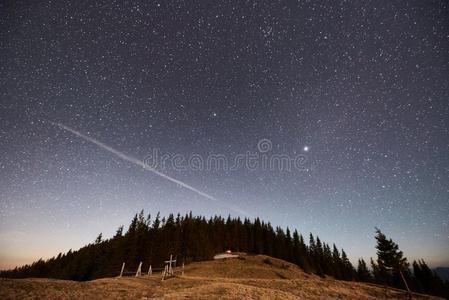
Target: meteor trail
[(146, 167)]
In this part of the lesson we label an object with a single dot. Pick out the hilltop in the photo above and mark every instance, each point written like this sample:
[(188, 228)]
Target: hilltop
[(195, 239), (246, 277)]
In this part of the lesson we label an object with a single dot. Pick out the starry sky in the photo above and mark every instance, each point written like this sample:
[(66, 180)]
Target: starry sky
[(358, 89)]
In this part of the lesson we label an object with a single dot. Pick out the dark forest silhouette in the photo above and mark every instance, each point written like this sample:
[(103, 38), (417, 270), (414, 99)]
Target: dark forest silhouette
[(195, 238)]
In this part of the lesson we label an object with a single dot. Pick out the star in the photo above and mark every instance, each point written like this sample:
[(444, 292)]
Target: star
[(189, 82)]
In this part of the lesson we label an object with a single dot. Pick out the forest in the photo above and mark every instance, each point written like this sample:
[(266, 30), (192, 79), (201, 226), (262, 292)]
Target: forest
[(194, 238)]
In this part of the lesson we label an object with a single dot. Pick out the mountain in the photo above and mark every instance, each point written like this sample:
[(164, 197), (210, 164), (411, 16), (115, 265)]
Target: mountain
[(443, 273), (189, 238), (245, 277), (193, 239)]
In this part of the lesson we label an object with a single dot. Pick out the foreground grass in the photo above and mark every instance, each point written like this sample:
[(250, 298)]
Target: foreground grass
[(251, 277)]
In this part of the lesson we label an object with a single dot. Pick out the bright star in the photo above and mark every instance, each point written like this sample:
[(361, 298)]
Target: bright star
[(306, 148)]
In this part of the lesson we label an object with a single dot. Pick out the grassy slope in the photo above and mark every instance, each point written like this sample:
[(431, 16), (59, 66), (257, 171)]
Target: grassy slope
[(252, 277)]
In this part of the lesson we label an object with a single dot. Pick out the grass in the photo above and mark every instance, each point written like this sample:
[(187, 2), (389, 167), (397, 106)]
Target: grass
[(267, 261), (255, 277)]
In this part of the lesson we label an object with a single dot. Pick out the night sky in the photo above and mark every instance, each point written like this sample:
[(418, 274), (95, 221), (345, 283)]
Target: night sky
[(359, 90)]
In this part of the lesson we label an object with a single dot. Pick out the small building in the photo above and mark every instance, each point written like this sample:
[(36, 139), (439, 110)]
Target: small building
[(227, 254)]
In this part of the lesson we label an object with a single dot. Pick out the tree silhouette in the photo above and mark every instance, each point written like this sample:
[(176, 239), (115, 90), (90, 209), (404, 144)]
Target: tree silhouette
[(390, 261), (193, 238)]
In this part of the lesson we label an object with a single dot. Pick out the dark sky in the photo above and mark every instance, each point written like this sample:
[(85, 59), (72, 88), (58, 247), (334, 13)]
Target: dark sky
[(357, 90)]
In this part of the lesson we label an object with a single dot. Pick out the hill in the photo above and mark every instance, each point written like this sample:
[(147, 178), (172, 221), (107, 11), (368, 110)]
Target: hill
[(246, 277), (443, 273), (195, 239)]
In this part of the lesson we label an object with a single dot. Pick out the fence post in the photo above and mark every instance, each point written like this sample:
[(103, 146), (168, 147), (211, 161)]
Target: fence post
[(406, 285), (164, 272), (139, 270), (121, 272)]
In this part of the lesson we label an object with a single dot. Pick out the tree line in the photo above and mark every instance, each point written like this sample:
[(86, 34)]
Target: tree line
[(195, 238)]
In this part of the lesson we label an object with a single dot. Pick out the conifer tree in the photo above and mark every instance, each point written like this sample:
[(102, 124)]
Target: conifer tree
[(346, 267), (390, 261), (363, 274), (336, 263), (427, 281), (99, 238), (192, 238), (119, 232)]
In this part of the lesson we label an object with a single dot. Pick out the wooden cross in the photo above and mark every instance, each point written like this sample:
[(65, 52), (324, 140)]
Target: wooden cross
[(170, 266)]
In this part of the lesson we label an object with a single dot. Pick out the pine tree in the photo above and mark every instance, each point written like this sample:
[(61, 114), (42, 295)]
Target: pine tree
[(327, 260), (363, 274), (288, 245), (195, 238), (132, 227), (99, 238), (318, 257), (119, 232), (157, 221), (377, 275), (336, 263), (311, 253), (346, 267), (390, 261), (426, 281)]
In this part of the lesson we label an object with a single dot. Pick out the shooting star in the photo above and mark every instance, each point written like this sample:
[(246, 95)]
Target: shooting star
[(140, 163)]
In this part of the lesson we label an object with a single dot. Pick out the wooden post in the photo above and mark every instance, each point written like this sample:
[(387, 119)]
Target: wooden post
[(164, 272), (121, 272), (170, 270), (139, 270), (150, 271), (406, 285), (182, 274)]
